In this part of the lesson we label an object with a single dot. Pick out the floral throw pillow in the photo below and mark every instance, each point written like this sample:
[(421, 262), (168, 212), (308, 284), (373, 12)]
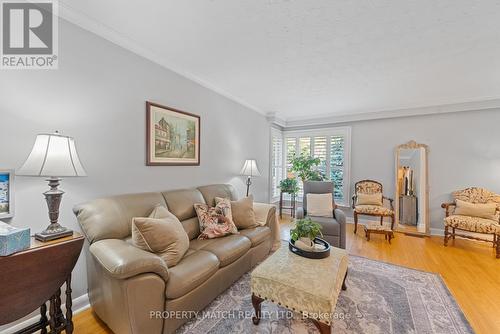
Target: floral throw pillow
[(214, 222)]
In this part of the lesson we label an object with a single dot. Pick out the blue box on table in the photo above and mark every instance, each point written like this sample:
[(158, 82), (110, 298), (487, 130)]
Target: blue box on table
[(13, 239)]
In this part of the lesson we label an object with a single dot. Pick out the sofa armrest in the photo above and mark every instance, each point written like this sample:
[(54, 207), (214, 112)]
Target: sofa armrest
[(122, 260), (447, 207), (265, 214), (299, 213), (339, 216)]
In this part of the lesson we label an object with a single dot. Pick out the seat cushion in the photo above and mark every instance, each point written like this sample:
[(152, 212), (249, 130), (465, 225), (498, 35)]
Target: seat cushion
[(257, 235), (330, 225), (373, 210), (194, 269), (473, 224), (227, 249)]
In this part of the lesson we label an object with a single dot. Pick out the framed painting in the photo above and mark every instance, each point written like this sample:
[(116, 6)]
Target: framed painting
[(6, 194), (172, 137)]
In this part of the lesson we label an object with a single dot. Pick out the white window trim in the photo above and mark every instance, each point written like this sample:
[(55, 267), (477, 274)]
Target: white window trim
[(275, 133), (341, 130)]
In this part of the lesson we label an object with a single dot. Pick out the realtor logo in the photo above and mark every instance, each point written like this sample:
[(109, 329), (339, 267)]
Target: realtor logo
[(29, 35)]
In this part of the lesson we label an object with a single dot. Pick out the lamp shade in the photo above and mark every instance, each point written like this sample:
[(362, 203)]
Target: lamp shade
[(53, 155), (250, 168)]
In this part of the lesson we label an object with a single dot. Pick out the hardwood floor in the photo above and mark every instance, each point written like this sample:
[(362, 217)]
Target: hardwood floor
[(469, 269)]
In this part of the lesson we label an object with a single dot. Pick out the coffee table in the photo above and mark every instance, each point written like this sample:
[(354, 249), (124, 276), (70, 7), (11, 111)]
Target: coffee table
[(308, 286), (376, 228)]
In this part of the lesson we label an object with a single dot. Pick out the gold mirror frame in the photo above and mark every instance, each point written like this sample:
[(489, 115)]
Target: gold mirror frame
[(425, 214)]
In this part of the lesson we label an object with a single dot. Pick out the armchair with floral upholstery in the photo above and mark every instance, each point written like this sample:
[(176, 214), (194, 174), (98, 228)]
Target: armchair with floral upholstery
[(483, 225), (371, 187)]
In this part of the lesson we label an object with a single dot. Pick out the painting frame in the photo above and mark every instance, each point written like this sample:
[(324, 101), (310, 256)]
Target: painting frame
[(188, 143), (7, 193)]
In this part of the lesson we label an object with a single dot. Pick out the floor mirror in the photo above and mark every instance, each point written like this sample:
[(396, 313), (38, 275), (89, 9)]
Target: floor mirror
[(412, 189)]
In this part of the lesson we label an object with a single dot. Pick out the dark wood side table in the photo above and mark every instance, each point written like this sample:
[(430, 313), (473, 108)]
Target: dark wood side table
[(291, 207), (31, 278)]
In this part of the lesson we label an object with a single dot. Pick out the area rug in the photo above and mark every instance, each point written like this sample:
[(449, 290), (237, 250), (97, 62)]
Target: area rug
[(380, 298)]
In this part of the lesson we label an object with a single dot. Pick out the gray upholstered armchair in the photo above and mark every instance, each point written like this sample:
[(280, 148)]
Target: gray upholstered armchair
[(333, 227)]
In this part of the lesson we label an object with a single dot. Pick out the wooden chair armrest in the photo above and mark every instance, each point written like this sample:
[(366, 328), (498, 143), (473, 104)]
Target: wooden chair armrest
[(447, 206), (390, 201), (354, 200)]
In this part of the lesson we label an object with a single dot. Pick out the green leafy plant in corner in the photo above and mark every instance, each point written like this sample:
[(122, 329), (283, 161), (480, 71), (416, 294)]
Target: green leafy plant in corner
[(305, 228), (306, 167), (289, 185)]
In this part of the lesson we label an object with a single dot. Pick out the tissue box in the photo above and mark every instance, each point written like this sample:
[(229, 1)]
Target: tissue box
[(13, 239)]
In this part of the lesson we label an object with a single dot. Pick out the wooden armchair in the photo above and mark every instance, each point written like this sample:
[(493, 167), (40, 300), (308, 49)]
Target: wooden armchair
[(371, 187), (469, 223)]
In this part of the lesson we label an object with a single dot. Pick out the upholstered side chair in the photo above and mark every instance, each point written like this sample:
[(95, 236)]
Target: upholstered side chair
[(371, 187), (333, 228), (465, 223)]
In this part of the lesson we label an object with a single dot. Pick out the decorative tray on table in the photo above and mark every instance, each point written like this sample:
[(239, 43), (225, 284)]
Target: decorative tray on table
[(322, 249)]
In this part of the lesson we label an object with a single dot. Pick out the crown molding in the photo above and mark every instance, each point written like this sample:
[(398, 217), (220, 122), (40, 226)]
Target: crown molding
[(85, 22), (408, 112)]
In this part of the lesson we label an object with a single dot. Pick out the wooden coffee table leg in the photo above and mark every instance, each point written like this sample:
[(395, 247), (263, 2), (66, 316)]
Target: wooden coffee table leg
[(256, 301), (322, 327)]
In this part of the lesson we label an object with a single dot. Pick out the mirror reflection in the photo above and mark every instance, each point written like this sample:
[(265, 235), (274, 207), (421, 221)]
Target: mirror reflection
[(411, 188)]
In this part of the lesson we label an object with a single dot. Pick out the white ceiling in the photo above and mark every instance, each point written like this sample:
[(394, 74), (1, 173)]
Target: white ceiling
[(314, 58)]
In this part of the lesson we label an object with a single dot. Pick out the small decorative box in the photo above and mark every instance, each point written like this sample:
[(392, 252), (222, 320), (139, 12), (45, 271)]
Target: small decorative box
[(13, 239)]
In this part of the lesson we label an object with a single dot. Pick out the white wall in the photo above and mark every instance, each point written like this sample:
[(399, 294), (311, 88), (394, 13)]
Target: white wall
[(464, 151), (98, 96)]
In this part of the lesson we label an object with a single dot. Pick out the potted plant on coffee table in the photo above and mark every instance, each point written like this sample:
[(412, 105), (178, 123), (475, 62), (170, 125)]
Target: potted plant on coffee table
[(305, 241)]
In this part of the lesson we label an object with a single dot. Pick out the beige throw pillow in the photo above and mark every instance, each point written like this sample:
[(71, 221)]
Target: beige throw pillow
[(486, 210), (241, 212), (369, 199), (320, 205), (161, 233)]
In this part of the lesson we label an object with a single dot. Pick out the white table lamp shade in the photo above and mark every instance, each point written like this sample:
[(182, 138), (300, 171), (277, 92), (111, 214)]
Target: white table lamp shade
[(53, 155), (250, 168)]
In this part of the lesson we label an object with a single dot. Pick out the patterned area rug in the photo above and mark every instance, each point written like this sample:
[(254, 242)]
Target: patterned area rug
[(380, 298)]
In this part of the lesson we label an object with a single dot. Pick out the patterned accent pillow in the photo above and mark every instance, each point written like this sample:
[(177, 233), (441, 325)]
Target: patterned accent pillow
[(214, 222)]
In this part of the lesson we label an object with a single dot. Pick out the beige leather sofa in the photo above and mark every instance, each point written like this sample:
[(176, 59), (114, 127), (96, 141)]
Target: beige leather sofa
[(130, 287)]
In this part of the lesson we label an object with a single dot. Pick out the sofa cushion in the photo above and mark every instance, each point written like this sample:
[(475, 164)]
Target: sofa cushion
[(330, 225), (218, 190), (227, 249), (473, 224), (111, 217), (180, 202), (190, 272), (192, 227), (257, 234), (242, 212)]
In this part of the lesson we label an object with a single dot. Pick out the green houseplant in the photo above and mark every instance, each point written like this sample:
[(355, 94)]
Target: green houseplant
[(306, 167), (289, 185), (304, 232)]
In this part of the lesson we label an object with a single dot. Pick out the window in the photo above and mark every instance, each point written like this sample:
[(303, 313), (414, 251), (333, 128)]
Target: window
[(332, 146), (276, 161)]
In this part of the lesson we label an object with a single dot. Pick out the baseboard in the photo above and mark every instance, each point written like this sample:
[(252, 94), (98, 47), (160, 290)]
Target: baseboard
[(79, 304)]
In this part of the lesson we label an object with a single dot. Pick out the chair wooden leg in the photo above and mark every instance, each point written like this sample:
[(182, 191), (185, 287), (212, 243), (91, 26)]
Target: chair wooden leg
[(498, 248), (453, 233), (392, 222), (446, 233), (494, 240), (381, 220), (355, 222)]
